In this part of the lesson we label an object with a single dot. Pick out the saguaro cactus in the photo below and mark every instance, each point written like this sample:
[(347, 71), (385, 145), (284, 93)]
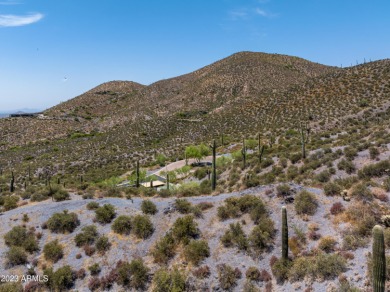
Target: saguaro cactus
[(12, 183), (261, 149), (284, 234), (137, 174), (243, 153), (378, 259), (214, 176), (167, 181)]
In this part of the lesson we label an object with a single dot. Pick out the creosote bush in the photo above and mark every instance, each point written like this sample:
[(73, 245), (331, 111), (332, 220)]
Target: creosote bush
[(87, 235), (105, 213), (196, 251), (122, 225), (165, 280), (148, 207), (19, 236), (53, 251), (184, 229), (164, 249), (305, 203), (228, 276), (63, 222), (142, 226)]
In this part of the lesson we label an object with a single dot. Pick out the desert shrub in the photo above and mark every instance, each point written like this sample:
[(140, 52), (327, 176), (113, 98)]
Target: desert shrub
[(295, 157), (253, 274), (327, 244), (63, 222), (94, 269), (280, 269), (329, 266), (204, 205), (105, 213), (227, 276), (148, 207), (53, 251), (386, 184), (183, 206), (353, 242), (184, 229), (202, 272), (19, 236), (61, 195), (164, 193), (112, 192), (139, 274), (196, 251), (63, 278), (122, 271), (87, 235), (16, 255), (94, 283), (235, 236), (235, 207), (261, 235), (332, 189), (292, 172), (347, 166), (92, 205), (10, 202), (164, 249), (350, 152), (122, 225), (190, 189), (323, 176), (13, 287), (386, 233), (337, 208), (361, 192), (374, 170), (169, 281), (89, 250), (200, 173), (142, 226), (102, 244), (266, 162), (251, 180), (305, 203), (283, 190), (374, 152)]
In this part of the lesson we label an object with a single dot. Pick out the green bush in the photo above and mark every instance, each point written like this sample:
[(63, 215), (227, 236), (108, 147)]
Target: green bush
[(18, 236), (374, 152), (227, 276), (235, 236), (16, 256), (184, 229), (94, 269), (169, 281), (200, 173), (374, 170), (105, 213), (283, 190), (63, 278), (361, 192), (196, 251), (53, 251), (122, 225), (295, 157), (305, 203), (103, 244), (327, 244), (332, 189), (323, 176), (87, 236), (261, 235), (164, 249), (63, 222), (280, 269), (61, 195), (235, 207), (350, 152), (253, 274), (142, 226), (148, 207), (10, 202), (139, 274), (12, 287), (92, 205), (347, 166), (183, 206)]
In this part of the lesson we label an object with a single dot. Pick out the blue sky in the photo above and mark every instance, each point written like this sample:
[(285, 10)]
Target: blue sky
[(51, 51)]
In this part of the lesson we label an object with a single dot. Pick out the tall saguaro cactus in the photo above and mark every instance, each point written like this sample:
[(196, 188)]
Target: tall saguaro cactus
[(168, 181), (243, 152), (284, 234), (214, 175), (137, 174), (12, 183), (378, 259)]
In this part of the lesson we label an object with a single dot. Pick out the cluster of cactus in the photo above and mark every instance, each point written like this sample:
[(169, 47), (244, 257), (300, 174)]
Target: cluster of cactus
[(378, 259)]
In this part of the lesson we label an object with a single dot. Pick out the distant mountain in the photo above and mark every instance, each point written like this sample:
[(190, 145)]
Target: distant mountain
[(4, 114)]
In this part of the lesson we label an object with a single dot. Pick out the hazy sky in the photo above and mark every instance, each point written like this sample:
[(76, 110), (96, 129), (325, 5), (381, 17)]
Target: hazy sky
[(53, 50)]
